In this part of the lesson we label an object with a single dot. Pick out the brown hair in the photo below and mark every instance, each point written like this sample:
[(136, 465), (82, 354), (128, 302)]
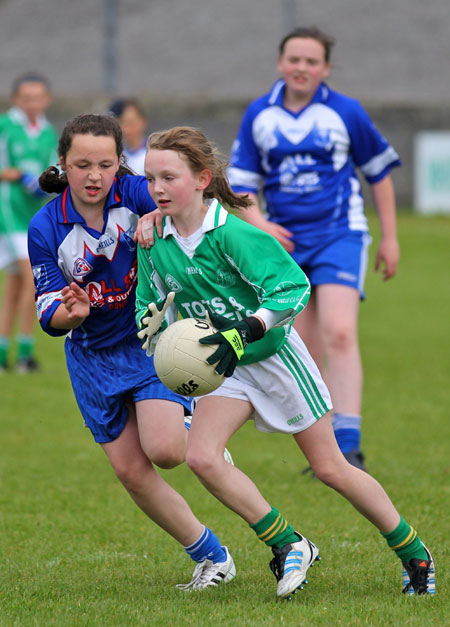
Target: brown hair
[(29, 77), (201, 154), (309, 32), (52, 181)]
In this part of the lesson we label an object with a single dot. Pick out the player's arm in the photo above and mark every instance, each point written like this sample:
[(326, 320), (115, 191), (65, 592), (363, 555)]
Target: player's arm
[(373, 154), (388, 253), (246, 176), (154, 308), (73, 310), (253, 215), (49, 280), (279, 283), (10, 175), (146, 291)]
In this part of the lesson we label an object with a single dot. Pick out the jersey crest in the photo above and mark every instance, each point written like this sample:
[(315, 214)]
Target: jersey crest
[(172, 283), (81, 268)]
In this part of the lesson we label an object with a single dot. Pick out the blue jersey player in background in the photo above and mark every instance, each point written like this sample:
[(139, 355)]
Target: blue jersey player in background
[(84, 264), (299, 146)]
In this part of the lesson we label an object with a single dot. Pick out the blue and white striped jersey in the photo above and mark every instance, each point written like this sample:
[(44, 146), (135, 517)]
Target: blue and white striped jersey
[(62, 249), (305, 163)]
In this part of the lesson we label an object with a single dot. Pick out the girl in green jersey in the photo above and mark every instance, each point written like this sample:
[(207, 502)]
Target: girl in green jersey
[(212, 263), (27, 147)]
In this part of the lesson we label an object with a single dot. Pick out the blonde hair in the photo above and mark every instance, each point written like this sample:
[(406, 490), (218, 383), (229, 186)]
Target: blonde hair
[(201, 154)]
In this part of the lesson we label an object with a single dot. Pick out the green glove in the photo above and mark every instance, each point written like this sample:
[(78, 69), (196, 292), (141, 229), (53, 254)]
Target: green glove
[(232, 338)]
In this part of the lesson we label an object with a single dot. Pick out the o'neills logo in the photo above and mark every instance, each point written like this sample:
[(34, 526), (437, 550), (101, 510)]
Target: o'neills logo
[(172, 283)]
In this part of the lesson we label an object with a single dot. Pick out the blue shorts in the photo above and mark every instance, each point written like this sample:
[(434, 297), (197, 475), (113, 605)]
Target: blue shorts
[(103, 380), (341, 259)]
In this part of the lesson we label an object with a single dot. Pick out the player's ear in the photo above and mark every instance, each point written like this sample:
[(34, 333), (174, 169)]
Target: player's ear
[(204, 179), (62, 164)]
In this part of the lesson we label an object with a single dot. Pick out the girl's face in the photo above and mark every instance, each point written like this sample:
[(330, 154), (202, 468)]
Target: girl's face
[(303, 66), (33, 98), (172, 184), (91, 165), (133, 126)]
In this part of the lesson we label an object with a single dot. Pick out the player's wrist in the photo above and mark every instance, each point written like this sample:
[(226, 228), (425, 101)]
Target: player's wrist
[(256, 327)]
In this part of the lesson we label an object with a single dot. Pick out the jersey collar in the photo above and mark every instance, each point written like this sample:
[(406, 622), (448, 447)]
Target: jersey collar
[(276, 95), (67, 214), (215, 217), (20, 117)]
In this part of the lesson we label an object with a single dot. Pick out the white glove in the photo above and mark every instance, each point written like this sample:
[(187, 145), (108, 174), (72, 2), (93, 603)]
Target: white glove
[(152, 323)]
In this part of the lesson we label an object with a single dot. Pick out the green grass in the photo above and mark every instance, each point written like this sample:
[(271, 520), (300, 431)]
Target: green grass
[(75, 550)]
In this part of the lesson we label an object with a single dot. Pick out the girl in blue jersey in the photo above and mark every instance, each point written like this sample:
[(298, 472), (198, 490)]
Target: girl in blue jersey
[(299, 145), (84, 264), (208, 261)]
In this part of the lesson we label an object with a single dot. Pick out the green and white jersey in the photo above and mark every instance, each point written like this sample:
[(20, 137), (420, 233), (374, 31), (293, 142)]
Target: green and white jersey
[(234, 270), (31, 150)]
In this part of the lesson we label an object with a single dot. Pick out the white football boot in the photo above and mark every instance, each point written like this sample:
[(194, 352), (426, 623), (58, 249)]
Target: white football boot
[(290, 565), (208, 575)]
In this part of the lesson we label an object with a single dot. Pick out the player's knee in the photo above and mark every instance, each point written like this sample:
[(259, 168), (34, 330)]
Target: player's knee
[(340, 338), (202, 463), (131, 476), (165, 452), (329, 473), (168, 459)]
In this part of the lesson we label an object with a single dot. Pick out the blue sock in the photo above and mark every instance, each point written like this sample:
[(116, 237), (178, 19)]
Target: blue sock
[(207, 546), (187, 422), (347, 430)]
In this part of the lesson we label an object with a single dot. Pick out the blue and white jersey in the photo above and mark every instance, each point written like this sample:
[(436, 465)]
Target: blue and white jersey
[(305, 162), (62, 249), (135, 158)]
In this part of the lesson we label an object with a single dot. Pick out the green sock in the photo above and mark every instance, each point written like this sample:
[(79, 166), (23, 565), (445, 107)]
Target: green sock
[(25, 345), (405, 542), (274, 530), (4, 349)]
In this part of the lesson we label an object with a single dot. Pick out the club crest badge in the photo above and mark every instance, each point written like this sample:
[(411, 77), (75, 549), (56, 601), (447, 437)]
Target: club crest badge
[(81, 267), (172, 283), (224, 278)]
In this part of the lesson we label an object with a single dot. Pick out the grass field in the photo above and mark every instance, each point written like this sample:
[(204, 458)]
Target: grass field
[(75, 550)]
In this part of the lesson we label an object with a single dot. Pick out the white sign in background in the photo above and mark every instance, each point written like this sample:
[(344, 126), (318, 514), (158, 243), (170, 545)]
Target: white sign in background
[(432, 172)]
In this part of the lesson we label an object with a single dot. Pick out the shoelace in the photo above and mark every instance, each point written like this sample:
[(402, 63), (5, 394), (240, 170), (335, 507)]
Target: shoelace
[(277, 563), (198, 572), (208, 573)]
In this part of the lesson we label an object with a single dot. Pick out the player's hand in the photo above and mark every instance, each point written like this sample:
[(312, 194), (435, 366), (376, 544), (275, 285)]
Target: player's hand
[(232, 338), (276, 230), (145, 228), (76, 302), (151, 322), (388, 256), (281, 234), (10, 175)]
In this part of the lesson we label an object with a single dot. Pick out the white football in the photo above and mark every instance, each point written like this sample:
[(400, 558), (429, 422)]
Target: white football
[(180, 359)]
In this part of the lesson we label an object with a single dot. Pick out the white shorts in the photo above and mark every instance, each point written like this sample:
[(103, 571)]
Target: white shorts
[(13, 247), (286, 390)]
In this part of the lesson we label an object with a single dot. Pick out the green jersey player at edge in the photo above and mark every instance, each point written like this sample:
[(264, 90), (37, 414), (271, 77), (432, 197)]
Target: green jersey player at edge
[(212, 264)]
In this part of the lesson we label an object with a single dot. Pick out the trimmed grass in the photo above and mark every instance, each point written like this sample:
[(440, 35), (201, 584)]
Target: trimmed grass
[(74, 549)]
